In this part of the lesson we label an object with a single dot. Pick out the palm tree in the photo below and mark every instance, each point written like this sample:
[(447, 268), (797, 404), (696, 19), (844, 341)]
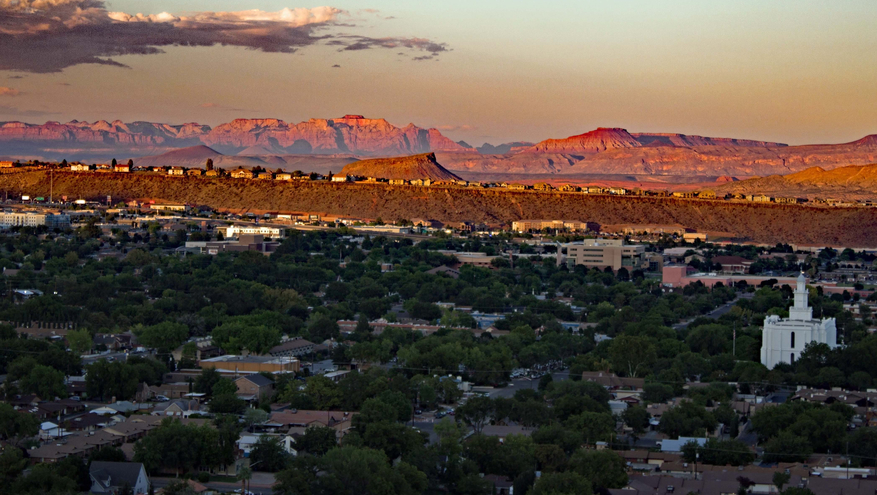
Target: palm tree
[(244, 475)]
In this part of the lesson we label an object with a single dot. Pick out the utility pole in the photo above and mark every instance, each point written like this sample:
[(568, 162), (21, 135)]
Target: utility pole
[(51, 184)]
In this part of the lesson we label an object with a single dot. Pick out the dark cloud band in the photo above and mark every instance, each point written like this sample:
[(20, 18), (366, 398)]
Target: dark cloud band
[(51, 35)]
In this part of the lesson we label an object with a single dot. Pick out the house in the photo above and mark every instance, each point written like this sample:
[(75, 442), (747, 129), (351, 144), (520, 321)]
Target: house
[(293, 347), (254, 387), (176, 171), (288, 420), (398, 182), (241, 173), (282, 176), (542, 186), (265, 176), (111, 477), (213, 173), (612, 381), (81, 167), (194, 172), (124, 168), (342, 178), (732, 264), (180, 408), (518, 187), (421, 182)]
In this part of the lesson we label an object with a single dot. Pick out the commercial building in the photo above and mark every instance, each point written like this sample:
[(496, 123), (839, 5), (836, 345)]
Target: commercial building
[(238, 230), (573, 225), (246, 242), (784, 339), (245, 365), (603, 253), (170, 207), (33, 219)]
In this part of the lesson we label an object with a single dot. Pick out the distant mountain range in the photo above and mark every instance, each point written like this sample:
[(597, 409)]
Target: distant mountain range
[(351, 134), (318, 144)]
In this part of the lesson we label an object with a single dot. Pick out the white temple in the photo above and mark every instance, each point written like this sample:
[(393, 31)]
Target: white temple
[(784, 339)]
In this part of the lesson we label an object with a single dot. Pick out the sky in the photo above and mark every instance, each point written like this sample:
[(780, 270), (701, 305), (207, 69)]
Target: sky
[(797, 72)]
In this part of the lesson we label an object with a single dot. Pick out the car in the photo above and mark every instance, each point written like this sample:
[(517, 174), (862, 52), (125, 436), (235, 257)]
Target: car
[(161, 398), (418, 412)]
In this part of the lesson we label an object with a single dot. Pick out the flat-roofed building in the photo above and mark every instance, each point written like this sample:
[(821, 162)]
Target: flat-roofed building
[(603, 253), (169, 207), (238, 230), (34, 219), (251, 364), (573, 225)]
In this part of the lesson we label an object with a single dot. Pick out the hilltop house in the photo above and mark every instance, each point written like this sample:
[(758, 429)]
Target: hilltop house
[(241, 173)]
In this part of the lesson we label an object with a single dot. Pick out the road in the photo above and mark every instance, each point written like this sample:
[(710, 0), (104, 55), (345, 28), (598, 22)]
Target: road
[(714, 314)]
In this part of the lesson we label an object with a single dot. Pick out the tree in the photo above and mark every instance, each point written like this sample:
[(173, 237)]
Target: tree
[(165, 335), (787, 447), (254, 417), (568, 483), (206, 380), (317, 440), (780, 479), (209, 164), (717, 452), (632, 356), (44, 381), (224, 386), (687, 419), (636, 418), (110, 379), (14, 424), (243, 475), (545, 380), (227, 404), (269, 454), (476, 412), (12, 463), (604, 468), (80, 341)]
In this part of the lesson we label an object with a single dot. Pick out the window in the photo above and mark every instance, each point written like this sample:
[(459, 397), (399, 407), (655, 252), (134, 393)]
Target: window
[(792, 361), (793, 342)]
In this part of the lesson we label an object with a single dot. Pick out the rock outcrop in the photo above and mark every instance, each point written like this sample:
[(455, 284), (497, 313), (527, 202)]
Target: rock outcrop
[(422, 166)]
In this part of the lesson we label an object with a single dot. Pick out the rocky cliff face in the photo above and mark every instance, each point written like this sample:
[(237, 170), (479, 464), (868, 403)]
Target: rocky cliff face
[(601, 139), (350, 134)]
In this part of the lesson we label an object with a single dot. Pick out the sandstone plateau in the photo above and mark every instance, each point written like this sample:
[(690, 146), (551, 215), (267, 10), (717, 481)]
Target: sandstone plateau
[(767, 223)]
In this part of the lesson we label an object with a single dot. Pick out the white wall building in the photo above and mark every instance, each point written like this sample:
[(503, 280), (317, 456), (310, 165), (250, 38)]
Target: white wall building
[(237, 230), (784, 339), (32, 219)]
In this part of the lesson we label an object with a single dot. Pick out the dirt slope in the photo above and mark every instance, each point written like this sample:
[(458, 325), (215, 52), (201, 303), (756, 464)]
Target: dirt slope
[(854, 227)]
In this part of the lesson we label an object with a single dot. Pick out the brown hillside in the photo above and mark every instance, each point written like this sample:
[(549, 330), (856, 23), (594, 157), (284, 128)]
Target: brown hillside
[(854, 227), (422, 166), (854, 182)]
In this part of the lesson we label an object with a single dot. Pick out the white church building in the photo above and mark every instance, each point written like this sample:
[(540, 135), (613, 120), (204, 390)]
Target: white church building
[(784, 339)]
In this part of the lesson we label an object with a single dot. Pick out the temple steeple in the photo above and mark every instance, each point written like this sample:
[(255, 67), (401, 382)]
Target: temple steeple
[(801, 311)]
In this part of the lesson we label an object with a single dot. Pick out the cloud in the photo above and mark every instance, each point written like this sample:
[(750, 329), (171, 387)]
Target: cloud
[(51, 35), (17, 112), (4, 91)]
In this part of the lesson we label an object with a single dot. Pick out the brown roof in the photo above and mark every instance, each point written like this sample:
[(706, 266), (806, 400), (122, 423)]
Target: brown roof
[(611, 380), (308, 418)]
